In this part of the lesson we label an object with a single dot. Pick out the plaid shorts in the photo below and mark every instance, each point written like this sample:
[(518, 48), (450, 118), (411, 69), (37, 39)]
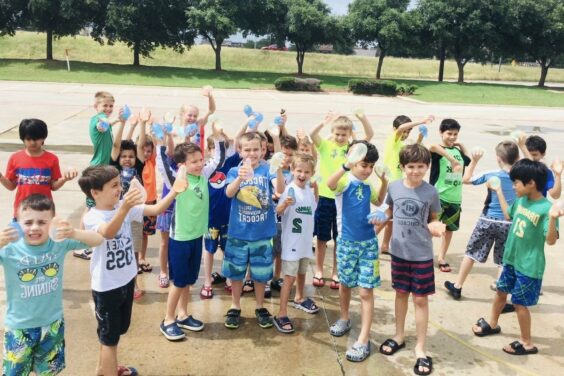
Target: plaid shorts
[(450, 215), (524, 290)]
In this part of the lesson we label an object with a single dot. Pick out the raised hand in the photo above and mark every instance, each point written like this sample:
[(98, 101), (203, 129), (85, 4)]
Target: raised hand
[(145, 115), (436, 228)]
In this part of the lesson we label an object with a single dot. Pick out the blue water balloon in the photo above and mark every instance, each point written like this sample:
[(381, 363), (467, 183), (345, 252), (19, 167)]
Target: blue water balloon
[(248, 110), (126, 112)]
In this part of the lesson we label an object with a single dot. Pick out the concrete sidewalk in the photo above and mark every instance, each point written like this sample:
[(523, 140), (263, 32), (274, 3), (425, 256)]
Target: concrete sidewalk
[(311, 350)]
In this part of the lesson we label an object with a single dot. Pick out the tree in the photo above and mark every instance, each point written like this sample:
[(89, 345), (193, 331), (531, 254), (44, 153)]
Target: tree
[(378, 22), (433, 29), (306, 24), (10, 16), (539, 32), (466, 29), (215, 20), (143, 25), (57, 18)]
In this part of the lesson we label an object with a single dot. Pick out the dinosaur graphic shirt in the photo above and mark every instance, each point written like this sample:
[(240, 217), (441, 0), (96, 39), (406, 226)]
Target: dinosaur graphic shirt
[(252, 211), (353, 198), (34, 282)]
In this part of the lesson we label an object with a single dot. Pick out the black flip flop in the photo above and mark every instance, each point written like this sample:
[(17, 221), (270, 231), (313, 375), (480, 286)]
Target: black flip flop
[(423, 362), (392, 344), (487, 330), (519, 349)]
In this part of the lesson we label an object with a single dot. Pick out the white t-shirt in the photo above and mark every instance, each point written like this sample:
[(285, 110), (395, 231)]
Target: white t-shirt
[(113, 262), (297, 224)]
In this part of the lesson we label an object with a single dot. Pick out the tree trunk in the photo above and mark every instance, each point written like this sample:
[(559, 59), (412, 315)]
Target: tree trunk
[(217, 51), (300, 56), (544, 71), (460, 66), (380, 63), (442, 55), (136, 54), (49, 44)]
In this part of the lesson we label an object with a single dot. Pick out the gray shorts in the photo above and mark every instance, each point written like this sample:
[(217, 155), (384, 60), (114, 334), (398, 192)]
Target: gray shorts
[(293, 268), (487, 233)]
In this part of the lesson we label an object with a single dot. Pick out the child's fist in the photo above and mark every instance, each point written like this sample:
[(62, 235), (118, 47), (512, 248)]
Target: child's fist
[(132, 197), (60, 230), (436, 228), (8, 235), (70, 174), (557, 209), (207, 91)]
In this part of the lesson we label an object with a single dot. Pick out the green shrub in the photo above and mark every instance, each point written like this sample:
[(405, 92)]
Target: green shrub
[(405, 89), (382, 87), (365, 86), (297, 84)]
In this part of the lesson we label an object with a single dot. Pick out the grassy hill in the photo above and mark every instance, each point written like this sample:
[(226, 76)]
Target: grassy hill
[(21, 58)]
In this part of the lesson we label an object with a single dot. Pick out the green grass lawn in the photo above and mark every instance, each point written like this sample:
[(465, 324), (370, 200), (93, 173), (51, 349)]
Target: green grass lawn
[(21, 59)]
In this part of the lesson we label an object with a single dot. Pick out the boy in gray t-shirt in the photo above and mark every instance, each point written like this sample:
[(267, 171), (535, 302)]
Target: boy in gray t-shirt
[(414, 208)]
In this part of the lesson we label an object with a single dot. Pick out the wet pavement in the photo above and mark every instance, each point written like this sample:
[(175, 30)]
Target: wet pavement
[(311, 350)]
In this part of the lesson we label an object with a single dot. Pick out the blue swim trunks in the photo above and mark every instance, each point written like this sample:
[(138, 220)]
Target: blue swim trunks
[(357, 263), (39, 349), (242, 253), (524, 290)]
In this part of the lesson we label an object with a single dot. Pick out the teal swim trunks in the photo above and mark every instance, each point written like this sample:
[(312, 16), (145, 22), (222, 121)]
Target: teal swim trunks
[(357, 263)]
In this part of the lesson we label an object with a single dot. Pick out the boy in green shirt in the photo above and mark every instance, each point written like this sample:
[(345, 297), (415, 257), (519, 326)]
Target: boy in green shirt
[(332, 155), (534, 223), (447, 166)]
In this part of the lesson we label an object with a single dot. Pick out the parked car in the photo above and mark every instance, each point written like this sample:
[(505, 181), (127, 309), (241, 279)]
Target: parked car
[(274, 47)]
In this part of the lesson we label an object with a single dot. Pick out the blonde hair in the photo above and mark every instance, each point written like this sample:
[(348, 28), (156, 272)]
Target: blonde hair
[(303, 158), (342, 122), (186, 107), (102, 96)]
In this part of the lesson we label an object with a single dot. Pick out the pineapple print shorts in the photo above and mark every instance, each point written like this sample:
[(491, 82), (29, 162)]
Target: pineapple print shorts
[(41, 350)]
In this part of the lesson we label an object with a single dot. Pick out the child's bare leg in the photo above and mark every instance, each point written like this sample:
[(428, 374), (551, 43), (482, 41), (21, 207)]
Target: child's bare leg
[(277, 267), (285, 295), (524, 317), (320, 258), (236, 290), (387, 237), (367, 312), (259, 293), (400, 313), (421, 322), (108, 359), (163, 254), (299, 295), (465, 269), (334, 274), (445, 243), (183, 303), (171, 303), (344, 301), (143, 251), (208, 266)]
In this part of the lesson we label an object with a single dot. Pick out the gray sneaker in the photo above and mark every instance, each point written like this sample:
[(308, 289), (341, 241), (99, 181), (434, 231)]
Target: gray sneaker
[(358, 352), (340, 328)]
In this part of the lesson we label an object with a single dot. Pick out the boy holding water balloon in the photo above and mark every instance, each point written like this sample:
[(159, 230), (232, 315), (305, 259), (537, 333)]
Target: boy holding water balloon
[(492, 227), (447, 165), (402, 128), (535, 222), (332, 155), (252, 225), (414, 208), (33, 272), (296, 206), (357, 244), (113, 265)]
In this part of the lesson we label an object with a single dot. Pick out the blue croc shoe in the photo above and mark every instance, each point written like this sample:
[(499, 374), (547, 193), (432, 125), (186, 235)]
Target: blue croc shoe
[(172, 332), (190, 323)]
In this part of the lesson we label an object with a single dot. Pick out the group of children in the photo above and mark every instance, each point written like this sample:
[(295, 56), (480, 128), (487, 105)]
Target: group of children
[(258, 198)]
